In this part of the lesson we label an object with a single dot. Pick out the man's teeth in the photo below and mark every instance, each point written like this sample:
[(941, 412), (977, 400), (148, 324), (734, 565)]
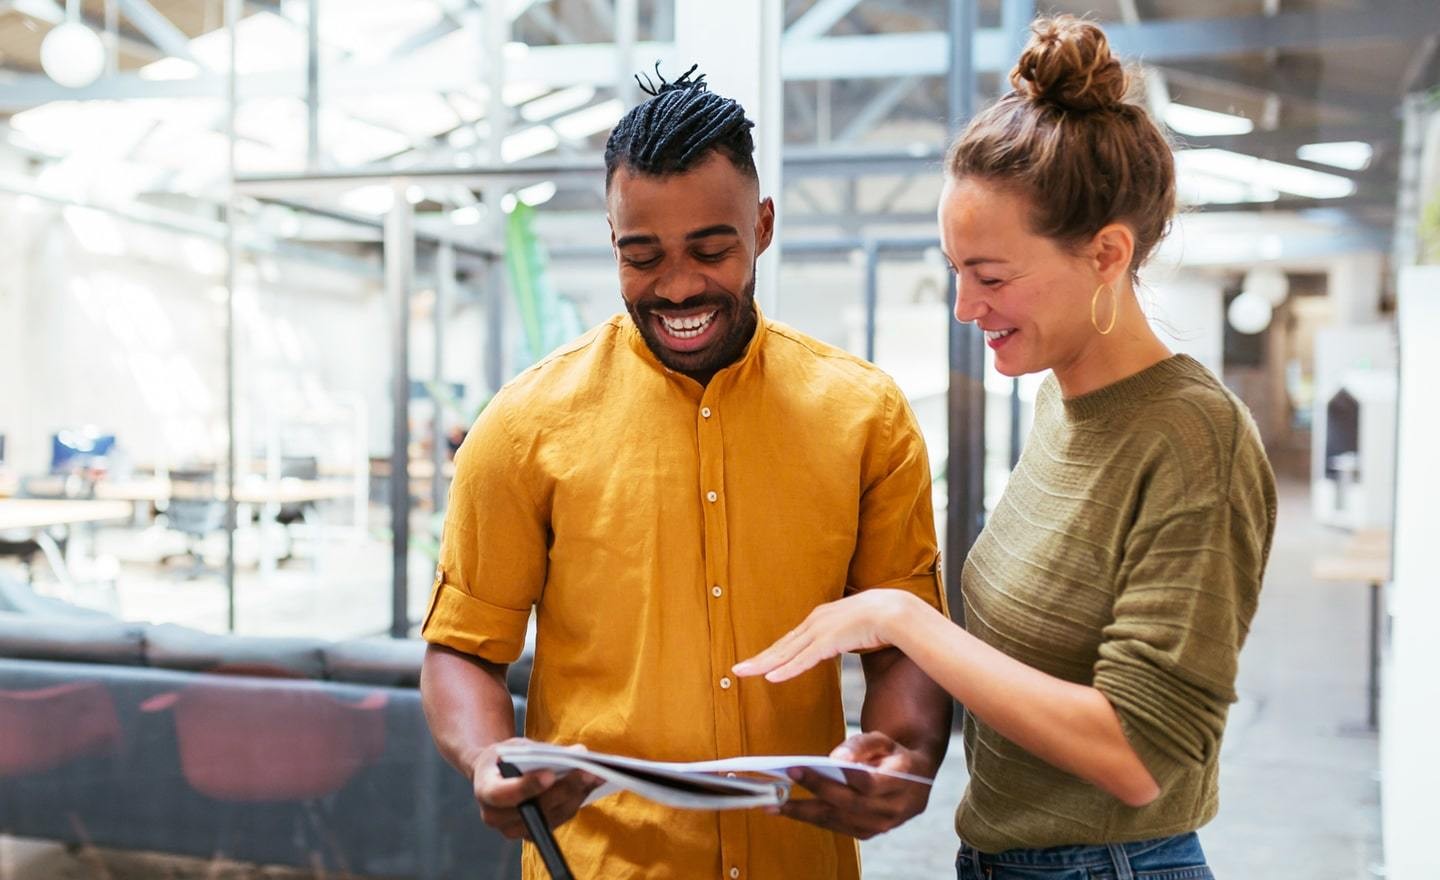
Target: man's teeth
[(992, 335), (687, 328)]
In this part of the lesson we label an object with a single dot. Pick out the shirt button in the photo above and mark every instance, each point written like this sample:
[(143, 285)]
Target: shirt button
[(725, 683), (716, 591), (705, 411), (734, 873), (711, 497)]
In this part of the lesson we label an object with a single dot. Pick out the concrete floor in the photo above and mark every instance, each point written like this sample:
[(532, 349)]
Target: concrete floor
[(1298, 775)]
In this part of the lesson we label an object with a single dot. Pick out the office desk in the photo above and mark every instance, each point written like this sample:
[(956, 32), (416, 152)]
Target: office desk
[(32, 514), (1364, 559), (258, 493), (35, 515), (288, 490)]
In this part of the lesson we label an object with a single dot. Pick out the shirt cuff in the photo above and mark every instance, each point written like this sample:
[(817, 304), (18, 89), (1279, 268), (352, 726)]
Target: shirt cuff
[(464, 623), (928, 586)]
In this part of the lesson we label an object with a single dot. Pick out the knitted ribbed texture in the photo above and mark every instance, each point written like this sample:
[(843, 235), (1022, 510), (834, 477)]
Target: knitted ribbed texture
[(1127, 553)]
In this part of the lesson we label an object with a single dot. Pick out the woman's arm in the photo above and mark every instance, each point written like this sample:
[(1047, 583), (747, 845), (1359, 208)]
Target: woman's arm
[(1069, 725)]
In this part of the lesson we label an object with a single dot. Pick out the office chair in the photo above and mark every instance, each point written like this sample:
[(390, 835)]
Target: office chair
[(51, 543), (24, 549), (301, 467), (195, 511)]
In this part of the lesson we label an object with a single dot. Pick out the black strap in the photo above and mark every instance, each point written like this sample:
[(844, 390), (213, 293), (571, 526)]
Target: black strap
[(540, 833)]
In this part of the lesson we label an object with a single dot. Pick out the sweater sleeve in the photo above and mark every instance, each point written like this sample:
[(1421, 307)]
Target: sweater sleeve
[(1189, 586)]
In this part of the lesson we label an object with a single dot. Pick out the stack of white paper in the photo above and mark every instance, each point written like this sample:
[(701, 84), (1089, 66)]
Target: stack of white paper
[(726, 784)]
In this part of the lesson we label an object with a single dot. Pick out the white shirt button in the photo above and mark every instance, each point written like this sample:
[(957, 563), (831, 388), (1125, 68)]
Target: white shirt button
[(711, 497), (716, 591), (734, 873), (725, 683), (705, 411)]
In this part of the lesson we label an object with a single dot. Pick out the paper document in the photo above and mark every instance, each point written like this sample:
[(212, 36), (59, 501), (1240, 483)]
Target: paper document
[(726, 784)]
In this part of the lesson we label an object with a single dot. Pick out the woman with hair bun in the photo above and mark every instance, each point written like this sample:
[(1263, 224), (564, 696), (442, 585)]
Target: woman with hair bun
[(1109, 595)]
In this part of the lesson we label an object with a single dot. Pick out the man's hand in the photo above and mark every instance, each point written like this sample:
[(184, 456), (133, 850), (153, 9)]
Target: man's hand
[(560, 797), (871, 804)]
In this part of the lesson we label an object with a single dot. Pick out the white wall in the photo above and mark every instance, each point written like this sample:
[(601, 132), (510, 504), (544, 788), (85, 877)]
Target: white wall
[(1341, 351), (1354, 286), (1410, 771), (1188, 312), (119, 325), (14, 282)]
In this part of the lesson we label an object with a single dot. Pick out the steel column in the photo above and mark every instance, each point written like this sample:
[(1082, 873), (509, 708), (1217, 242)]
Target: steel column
[(399, 280), (965, 462), (232, 259)]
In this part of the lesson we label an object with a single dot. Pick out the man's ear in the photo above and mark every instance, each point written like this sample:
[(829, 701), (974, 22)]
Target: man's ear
[(613, 249), (764, 225)]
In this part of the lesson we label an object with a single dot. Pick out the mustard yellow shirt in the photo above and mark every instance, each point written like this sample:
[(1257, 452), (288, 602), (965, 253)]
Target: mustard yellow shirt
[(662, 531)]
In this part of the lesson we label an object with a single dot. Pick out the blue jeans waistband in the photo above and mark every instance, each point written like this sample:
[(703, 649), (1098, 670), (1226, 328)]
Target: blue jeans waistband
[(1181, 851)]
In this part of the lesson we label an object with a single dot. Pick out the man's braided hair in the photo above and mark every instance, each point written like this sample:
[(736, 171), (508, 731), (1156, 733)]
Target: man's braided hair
[(678, 127)]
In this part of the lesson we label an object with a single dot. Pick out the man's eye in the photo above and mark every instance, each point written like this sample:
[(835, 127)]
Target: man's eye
[(991, 282), (711, 257), (645, 263)]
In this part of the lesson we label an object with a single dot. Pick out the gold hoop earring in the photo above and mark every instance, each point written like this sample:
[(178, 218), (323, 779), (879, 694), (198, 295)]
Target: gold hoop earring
[(1114, 309)]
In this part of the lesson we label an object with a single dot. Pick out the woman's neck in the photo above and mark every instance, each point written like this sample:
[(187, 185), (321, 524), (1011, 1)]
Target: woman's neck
[(1105, 359)]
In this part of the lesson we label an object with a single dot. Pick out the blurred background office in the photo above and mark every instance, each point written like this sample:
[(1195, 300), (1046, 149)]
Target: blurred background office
[(264, 261)]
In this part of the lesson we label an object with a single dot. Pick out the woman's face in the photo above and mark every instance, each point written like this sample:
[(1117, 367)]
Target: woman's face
[(1030, 295)]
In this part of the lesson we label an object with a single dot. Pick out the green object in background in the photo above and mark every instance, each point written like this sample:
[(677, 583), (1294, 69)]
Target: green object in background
[(546, 318), (1430, 231)]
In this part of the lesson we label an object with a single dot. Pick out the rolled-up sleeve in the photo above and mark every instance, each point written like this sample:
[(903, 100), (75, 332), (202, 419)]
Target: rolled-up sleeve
[(895, 544), (493, 552), (1168, 659)]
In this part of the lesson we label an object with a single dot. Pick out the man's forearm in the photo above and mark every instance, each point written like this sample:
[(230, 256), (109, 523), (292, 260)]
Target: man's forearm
[(467, 705), (902, 702)]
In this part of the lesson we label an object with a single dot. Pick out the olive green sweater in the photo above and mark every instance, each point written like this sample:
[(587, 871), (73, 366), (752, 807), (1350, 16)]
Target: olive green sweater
[(1125, 553)]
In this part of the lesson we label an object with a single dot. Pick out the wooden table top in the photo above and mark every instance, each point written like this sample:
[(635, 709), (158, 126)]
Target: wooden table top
[(1365, 557), (40, 513)]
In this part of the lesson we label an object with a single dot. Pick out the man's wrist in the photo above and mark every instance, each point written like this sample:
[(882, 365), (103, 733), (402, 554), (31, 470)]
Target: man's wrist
[(483, 754), (474, 760)]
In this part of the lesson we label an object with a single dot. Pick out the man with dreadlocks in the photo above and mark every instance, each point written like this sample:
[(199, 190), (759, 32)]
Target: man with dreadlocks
[(671, 493)]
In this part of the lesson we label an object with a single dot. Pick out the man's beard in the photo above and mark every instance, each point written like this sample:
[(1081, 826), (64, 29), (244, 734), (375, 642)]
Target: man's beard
[(739, 314)]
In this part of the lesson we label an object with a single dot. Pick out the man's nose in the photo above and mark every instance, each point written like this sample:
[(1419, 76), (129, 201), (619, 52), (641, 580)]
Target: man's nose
[(679, 285)]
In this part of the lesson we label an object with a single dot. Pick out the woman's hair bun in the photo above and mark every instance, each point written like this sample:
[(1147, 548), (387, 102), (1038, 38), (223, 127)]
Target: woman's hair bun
[(1067, 63)]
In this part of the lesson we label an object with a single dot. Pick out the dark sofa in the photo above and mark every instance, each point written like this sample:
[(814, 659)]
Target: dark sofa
[(280, 751)]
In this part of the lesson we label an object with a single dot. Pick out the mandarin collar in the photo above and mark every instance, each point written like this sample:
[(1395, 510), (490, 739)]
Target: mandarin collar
[(751, 353)]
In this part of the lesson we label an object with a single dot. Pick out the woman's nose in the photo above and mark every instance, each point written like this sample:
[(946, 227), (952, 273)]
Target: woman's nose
[(970, 305)]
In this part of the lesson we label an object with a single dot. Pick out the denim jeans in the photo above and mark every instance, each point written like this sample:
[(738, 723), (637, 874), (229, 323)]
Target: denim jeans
[(1166, 858)]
